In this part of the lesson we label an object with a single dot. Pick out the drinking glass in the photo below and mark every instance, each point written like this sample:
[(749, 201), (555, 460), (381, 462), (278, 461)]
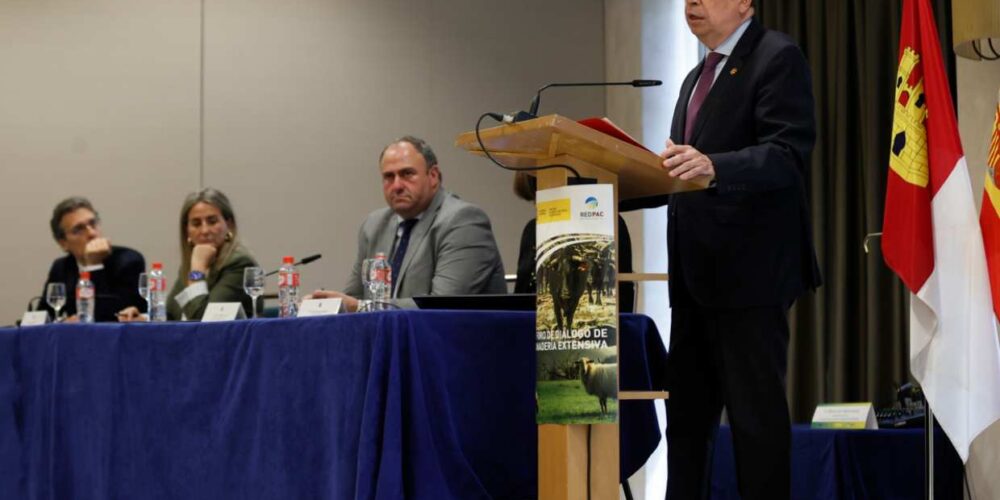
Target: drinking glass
[(365, 304), (253, 283), (144, 291), (55, 296)]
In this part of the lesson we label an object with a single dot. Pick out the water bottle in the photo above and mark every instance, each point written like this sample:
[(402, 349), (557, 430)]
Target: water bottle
[(85, 298), (288, 288), (157, 293), (381, 281)]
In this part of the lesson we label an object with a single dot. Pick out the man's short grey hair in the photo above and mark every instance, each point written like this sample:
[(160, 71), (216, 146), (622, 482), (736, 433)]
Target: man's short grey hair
[(71, 204), (419, 144)]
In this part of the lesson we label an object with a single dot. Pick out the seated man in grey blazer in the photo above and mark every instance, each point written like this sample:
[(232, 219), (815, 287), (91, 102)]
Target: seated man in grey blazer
[(436, 243)]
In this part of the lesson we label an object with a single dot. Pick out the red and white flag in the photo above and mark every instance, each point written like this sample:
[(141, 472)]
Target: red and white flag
[(989, 214), (932, 240)]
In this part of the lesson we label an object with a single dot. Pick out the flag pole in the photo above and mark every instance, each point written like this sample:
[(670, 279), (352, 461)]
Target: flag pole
[(929, 451)]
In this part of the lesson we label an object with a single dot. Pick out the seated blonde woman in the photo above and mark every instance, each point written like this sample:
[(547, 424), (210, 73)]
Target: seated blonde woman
[(213, 259)]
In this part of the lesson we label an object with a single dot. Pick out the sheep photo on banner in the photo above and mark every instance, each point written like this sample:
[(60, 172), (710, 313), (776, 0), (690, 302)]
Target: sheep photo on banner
[(576, 322)]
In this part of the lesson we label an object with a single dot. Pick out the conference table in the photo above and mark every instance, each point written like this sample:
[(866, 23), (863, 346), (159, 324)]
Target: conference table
[(835, 463), (414, 404)]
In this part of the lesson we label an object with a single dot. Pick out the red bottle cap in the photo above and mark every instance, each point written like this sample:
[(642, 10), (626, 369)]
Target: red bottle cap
[(85, 275), (288, 259), (158, 265)]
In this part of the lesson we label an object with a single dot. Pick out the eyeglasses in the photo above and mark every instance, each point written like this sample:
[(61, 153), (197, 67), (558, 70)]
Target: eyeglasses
[(80, 228)]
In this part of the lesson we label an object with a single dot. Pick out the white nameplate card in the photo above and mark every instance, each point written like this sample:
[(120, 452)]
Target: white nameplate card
[(845, 416), (34, 318), (223, 311), (319, 307)]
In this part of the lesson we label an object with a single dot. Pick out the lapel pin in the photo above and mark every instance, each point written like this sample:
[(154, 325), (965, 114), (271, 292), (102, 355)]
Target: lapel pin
[(733, 72)]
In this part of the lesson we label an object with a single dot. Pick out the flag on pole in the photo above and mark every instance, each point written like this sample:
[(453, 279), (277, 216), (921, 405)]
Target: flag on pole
[(931, 239), (989, 214)]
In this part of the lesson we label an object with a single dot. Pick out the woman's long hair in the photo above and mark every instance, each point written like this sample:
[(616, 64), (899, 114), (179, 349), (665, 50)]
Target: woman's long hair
[(218, 200)]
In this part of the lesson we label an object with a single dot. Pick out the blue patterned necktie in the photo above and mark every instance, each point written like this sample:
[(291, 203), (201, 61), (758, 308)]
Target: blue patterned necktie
[(397, 256)]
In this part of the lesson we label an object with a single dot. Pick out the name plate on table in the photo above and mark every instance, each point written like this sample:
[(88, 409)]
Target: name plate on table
[(223, 311), (845, 416), (319, 307), (34, 318)]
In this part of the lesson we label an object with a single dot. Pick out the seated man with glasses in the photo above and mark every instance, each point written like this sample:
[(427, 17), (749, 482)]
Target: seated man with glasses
[(114, 270)]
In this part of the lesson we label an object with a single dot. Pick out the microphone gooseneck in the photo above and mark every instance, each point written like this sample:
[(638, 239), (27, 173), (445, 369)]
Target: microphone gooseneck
[(533, 107), (302, 262), (533, 113)]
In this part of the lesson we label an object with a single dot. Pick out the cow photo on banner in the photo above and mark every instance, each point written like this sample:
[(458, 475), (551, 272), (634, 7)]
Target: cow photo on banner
[(577, 314)]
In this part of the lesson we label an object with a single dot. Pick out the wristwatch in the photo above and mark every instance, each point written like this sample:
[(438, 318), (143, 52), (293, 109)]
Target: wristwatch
[(196, 276)]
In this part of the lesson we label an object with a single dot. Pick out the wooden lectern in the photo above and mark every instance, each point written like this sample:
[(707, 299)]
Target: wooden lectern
[(634, 173)]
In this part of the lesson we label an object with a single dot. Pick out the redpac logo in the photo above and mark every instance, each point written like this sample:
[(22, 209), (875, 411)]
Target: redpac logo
[(592, 212)]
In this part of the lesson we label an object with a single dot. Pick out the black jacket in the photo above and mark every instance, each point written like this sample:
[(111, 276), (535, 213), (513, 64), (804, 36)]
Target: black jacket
[(117, 285), (748, 241)]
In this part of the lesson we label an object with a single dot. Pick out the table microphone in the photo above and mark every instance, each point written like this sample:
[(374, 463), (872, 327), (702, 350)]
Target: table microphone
[(302, 262), (533, 107)]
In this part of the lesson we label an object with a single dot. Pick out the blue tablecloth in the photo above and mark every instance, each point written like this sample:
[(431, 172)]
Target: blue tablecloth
[(406, 403), (837, 464)]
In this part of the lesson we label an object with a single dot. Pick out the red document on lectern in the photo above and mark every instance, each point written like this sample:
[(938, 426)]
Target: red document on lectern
[(605, 126)]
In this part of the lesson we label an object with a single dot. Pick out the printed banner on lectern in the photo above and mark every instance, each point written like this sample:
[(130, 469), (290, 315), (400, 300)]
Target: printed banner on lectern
[(577, 322)]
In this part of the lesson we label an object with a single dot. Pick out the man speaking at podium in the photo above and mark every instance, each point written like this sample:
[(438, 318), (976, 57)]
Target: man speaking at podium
[(436, 243), (740, 252)]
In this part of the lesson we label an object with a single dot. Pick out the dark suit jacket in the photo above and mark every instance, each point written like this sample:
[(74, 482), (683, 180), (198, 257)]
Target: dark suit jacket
[(748, 241), (117, 285)]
